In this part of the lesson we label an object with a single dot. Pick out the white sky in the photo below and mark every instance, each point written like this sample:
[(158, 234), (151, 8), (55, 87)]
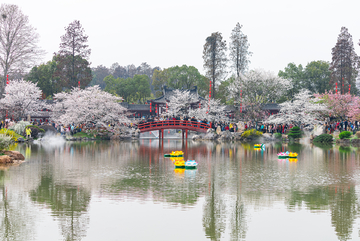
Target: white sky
[(166, 33)]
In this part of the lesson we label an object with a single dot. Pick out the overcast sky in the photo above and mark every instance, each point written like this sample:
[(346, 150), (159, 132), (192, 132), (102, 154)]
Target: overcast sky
[(166, 33)]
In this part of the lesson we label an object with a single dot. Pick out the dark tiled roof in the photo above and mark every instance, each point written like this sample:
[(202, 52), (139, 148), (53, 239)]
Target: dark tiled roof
[(271, 106)]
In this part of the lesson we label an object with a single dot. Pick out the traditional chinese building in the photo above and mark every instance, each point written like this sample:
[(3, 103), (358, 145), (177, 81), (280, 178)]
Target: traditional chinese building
[(159, 105)]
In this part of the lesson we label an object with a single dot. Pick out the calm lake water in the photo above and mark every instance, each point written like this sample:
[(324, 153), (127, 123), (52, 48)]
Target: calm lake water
[(129, 191)]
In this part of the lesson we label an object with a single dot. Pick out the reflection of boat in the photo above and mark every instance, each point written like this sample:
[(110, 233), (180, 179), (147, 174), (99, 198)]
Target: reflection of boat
[(174, 159), (179, 164), (293, 159), (191, 164), (262, 146), (179, 170)]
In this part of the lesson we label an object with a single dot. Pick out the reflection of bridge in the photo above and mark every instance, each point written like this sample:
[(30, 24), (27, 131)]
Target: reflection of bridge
[(183, 125)]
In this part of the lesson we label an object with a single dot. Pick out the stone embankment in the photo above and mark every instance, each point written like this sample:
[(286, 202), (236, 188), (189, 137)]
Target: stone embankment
[(227, 135), (10, 157)]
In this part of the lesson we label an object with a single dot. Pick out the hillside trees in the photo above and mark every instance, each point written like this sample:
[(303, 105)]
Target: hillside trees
[(215, 60), (179, 77), (135, 89), (344, 63), (315, 77), (72, 59), (18, 43)]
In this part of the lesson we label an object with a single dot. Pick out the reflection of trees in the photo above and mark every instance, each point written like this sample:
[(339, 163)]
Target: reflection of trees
[(341, 201), (214, 212), (14, 217), (67, 202), (136, 181)]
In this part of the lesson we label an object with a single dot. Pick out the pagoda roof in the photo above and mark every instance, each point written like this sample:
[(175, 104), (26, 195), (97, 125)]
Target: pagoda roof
[(168, 92)]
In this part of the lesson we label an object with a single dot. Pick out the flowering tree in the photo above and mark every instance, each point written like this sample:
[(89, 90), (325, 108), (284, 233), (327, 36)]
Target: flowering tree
[(211, 111), (341, 106), (22, 98), (258, 88), (303, 109), (88, 105), (180, 102)]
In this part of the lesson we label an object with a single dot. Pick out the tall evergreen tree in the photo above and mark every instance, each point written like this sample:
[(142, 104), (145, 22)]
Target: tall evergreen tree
[(215, 59), (73, 65), (344, 63), (239, 50)]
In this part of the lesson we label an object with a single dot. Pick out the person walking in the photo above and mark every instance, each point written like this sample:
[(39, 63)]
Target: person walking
[(28, 132)]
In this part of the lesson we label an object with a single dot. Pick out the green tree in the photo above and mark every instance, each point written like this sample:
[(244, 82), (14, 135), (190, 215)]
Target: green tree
[(98, 75), (215, 59), (296, 75), (73, 65), (344, 64), (318, 76), (44, 76), (184, 77)]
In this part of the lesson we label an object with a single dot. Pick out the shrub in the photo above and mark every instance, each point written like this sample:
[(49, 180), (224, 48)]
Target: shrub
[(20, 127), (12, 134), (324, 138), (48, 128), (345, 134), (36, 127), (5, 141), (295, 132), (278, 135), (358, 134), (251, 132)]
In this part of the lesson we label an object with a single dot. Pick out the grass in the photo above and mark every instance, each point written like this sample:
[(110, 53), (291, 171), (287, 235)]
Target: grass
[(83, 134)]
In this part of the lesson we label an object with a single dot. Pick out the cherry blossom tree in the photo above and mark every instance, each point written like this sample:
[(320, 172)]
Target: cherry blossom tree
[(180, 102), (257, 88), (88, 105), (22, 98), (211, 111), (341, 106), (303, 109)]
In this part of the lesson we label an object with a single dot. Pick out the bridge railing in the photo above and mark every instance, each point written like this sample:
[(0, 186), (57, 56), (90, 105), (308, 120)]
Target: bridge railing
[(181, 124)]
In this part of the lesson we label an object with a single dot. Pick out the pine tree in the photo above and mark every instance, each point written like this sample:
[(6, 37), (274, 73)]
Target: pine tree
[(344, 63), (73, 65), (215, 59), (239, 50)]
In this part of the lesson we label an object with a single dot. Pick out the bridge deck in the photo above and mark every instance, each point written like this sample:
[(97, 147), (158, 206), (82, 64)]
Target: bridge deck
[(174, 124)]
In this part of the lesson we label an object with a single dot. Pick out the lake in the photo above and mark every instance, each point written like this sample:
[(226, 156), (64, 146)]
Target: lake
[(129, 191)]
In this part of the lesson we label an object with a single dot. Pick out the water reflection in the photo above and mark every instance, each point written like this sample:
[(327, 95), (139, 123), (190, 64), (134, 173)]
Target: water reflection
[(233, 182)]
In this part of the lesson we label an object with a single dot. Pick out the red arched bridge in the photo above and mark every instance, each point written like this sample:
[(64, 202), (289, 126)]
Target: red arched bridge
[(183, 125)]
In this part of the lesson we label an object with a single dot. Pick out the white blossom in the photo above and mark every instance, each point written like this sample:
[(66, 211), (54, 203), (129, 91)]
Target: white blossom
[(22, 98), (88, 105), (303, 109), (259, 86), (212, 111), (180, 102)]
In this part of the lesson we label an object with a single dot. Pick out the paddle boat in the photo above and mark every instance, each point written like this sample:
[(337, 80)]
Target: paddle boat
[(179, 164), (293, 155), (191, 164), (282, 155), (176, 153)]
